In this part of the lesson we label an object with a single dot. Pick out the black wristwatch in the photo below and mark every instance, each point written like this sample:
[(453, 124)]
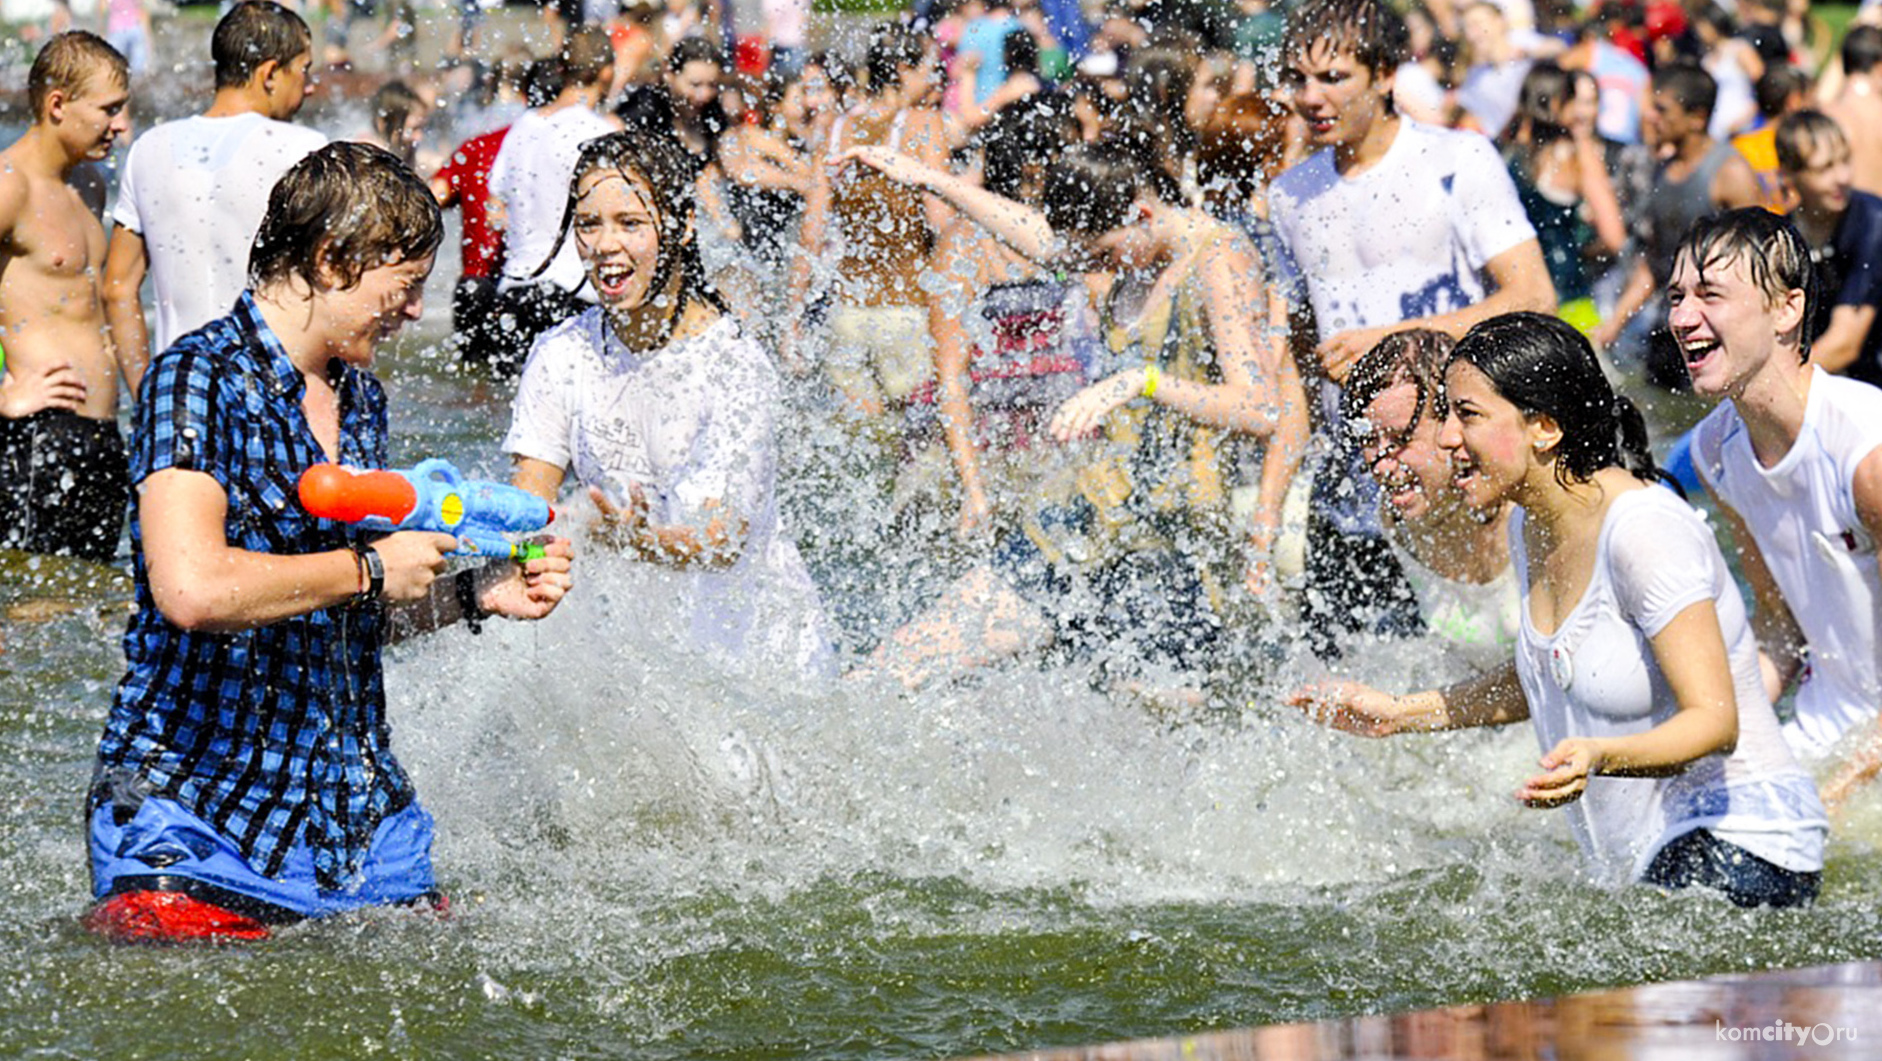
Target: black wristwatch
[(375, 573)]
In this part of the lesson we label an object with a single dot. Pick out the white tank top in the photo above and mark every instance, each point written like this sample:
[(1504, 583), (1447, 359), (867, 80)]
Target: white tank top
[(1477, 623)]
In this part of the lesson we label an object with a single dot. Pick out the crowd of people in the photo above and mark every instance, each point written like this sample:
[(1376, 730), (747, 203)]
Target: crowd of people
[(1327, 315)]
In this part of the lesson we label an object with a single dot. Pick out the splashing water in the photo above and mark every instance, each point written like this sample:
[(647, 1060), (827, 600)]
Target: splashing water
[(657, 855), (654, 855)]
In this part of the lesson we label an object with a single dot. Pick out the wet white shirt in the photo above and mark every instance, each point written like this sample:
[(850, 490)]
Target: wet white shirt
[(693, 425), (1596, 676), (1802, 513), (195, 190)]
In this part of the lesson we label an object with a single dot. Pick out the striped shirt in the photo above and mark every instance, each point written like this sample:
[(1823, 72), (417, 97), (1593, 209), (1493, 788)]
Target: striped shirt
[(275, 735)]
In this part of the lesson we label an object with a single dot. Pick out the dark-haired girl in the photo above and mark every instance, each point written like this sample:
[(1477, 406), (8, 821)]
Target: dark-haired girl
[(1557, 163), (1635, 661), (657, 402)]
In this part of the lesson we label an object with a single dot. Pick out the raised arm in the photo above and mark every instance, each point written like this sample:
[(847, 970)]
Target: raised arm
[(1017, 225), (1247, 330)]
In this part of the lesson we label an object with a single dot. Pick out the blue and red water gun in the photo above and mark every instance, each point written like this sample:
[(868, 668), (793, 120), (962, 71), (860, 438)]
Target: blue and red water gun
[(430, 497)]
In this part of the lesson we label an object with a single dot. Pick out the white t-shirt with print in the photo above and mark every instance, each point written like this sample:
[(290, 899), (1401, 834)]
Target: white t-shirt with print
[(196, 190), (1408, 237), (693, 425), (1802, 513), (1596, 676)]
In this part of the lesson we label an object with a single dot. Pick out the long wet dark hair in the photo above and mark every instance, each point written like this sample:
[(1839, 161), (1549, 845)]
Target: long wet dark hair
[(1090, 189), (662, 168), (1544, 366)]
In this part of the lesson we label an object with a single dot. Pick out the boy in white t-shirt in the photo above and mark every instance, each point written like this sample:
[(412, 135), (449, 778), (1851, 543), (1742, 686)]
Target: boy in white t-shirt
[(542, 283), (1391, 225), (193, 191), (1794, 457)]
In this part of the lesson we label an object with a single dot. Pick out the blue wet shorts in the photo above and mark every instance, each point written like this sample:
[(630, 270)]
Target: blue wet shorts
[(1700, 859), (163, 847)]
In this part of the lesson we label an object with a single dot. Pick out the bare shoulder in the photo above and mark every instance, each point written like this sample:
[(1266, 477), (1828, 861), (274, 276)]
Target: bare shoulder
[(1222, 246), (15, 192)]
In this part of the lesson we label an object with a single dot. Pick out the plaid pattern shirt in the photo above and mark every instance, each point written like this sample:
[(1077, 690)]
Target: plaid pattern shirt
[(276, 734)]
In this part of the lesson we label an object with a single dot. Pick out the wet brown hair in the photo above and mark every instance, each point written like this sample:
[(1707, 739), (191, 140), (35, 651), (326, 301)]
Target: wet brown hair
[(256, 32), (68, 62), (1417, 356), (1775, 254), (340, 211)]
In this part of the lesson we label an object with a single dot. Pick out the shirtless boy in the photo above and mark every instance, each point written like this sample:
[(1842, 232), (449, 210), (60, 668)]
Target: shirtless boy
[(63, 484)]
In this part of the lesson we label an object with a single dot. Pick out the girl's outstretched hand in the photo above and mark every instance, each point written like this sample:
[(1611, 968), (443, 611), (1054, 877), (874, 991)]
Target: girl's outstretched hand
[(1353, 707), (619, 527)]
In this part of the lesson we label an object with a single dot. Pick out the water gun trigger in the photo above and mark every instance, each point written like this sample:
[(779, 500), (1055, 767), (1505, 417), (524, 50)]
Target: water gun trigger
[(497, 548)]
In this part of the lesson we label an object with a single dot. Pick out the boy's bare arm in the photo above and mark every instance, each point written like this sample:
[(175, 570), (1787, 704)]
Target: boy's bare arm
[(127, 262)]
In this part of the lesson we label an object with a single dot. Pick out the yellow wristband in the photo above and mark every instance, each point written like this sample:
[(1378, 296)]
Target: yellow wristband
[(1152, 374)]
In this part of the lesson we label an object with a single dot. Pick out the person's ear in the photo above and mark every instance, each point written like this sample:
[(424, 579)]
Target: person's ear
[(1545, 434), (326, 275), (265, 74), (1385, 80), (1788, 314), (56, 99)]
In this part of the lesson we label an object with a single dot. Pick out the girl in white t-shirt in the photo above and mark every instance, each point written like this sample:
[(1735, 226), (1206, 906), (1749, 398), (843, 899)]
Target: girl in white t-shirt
[(1635, 660), (656, 401)]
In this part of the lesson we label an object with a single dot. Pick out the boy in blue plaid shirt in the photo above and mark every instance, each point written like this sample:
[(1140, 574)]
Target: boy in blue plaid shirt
[(245, 777)]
